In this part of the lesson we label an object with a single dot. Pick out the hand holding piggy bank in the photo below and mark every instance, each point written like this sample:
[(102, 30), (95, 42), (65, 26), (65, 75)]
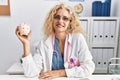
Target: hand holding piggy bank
[(24, 29)]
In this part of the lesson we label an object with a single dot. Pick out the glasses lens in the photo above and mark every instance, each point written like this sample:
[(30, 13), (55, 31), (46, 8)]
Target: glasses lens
[(64, 18), (57, 17)]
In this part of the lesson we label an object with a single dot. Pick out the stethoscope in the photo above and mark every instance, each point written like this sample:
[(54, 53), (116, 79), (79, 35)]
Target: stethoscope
[(69, 63), (67, 49)]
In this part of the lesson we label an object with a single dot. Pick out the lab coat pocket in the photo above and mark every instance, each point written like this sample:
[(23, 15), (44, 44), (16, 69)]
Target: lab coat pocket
[(74, 62)]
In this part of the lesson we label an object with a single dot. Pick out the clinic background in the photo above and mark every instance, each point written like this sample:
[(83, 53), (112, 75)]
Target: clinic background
[(33, 12)]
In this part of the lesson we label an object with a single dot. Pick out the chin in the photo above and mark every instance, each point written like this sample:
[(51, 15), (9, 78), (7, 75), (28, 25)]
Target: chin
[(60, 31)]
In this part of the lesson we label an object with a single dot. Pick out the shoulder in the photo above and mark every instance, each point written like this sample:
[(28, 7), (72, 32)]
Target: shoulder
[(45, 41), (78, 36)]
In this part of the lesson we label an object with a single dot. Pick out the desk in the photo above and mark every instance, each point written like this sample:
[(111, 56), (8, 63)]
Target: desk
[(16, 70), (22, 77), (93, 77), (104, 77)]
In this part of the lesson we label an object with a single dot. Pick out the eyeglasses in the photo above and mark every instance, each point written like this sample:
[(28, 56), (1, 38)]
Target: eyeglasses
[(64, 18)]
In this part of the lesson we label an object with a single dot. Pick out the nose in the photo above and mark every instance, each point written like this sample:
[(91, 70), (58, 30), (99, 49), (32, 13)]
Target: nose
[(60, 20)]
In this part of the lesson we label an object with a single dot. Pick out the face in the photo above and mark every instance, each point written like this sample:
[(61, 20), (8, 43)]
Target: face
[(61, 21)]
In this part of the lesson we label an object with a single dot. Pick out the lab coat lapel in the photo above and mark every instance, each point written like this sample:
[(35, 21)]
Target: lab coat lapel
[(49, 49), (68, 40)]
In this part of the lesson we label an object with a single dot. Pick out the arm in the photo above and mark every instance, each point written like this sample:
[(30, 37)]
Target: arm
[(84, 70), (25, 39), (87, 66), (31, 65)]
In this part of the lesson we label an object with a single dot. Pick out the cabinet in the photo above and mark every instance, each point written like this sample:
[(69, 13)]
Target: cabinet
[(102, 37)]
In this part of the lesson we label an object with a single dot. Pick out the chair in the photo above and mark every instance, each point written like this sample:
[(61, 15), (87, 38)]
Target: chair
[(114, 66)]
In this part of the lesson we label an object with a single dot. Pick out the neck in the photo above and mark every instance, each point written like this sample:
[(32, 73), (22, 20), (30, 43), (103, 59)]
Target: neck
[(61, 37), (61, 40)]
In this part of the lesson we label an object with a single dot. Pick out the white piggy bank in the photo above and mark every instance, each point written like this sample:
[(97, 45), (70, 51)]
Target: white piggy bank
[(24, 29)]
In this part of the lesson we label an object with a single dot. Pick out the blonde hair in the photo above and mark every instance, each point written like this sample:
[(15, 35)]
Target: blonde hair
[(74, 26)]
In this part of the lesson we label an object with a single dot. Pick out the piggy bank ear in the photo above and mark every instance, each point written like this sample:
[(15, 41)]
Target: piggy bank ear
[(22, 24), (28, 25)]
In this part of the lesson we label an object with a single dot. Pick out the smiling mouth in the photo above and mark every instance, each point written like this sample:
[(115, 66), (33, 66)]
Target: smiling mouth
[(59, 25)]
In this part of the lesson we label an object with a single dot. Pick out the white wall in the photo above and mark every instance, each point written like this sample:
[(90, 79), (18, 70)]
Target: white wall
[(32, 12)]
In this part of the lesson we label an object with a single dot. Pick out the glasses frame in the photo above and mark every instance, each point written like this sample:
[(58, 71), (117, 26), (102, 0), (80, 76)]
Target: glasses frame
[(64, 18)]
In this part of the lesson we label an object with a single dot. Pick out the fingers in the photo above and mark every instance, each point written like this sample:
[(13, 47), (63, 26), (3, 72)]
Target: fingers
[(44, 75), (17, 32)]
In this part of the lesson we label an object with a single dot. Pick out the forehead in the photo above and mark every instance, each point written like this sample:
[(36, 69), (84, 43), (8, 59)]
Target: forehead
[(63, 12)]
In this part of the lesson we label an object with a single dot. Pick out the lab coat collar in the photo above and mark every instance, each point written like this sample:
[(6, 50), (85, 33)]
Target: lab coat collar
[(48, 41), (69, 38)]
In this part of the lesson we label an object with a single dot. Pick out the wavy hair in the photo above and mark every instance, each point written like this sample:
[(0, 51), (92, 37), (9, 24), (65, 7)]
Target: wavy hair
[(74, 26)]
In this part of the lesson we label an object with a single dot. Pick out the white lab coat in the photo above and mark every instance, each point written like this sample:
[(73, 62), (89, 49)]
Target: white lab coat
[(42, 59)]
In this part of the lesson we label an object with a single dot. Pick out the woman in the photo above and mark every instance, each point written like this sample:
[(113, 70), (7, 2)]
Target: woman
[(63, 52)]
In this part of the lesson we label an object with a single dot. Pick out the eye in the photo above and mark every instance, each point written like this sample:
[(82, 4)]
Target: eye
[(65, 18), (56, 17)]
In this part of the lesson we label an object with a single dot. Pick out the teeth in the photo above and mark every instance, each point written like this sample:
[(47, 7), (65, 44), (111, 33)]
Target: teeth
[(59, 25)]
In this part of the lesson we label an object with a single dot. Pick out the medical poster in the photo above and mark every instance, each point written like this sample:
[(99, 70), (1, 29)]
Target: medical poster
[(3, 2), (4, 7)]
